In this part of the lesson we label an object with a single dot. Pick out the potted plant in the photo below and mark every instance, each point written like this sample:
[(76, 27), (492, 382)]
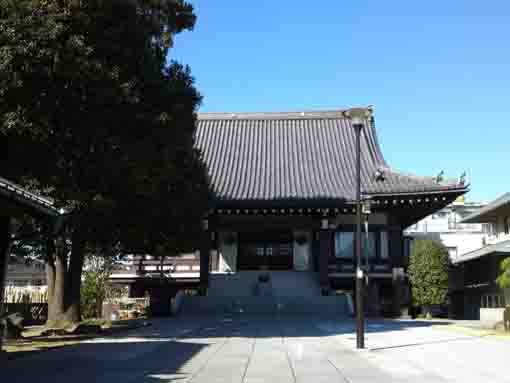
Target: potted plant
[(264, 278)]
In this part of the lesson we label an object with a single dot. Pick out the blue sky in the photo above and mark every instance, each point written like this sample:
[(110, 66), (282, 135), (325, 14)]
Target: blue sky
[(437, 73)]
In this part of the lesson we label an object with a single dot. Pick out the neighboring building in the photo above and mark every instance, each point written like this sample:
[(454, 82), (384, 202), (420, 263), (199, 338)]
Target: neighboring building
[(25, 273), (446, 227), (16, 201), (141, 273), (284, 204), (481, 296)]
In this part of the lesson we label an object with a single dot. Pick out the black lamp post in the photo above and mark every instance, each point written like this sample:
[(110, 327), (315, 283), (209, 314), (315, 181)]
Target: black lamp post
[(360, 325), (358, 116)]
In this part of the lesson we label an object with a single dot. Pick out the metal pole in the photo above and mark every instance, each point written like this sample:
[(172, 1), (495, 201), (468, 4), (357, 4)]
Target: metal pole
[(360, 330)]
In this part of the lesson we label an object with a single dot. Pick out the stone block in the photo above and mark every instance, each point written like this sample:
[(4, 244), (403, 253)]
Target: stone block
[(12, 326)]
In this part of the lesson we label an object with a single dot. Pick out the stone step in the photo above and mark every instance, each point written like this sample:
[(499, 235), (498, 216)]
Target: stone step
[(320, 305), (282, 283)]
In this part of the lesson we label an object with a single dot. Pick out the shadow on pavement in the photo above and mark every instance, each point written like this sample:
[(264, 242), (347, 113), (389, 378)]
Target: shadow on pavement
[(144, 359), (304, 326), (163, 353)]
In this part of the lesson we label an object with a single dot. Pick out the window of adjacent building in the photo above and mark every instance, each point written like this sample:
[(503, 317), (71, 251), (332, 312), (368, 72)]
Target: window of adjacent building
[(506, 225), (491, 229), (344, 244), (493, 301), (452, 222)]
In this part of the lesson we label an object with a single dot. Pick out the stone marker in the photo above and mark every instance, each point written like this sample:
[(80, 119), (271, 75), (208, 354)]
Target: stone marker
[(12, 326)]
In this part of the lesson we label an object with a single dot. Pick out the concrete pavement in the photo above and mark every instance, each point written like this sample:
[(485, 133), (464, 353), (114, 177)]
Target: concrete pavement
[(252, 349)]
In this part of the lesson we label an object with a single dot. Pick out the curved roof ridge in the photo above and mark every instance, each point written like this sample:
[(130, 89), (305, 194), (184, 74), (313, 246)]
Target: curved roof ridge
[(290, 115), (427, 179), (12, 190)]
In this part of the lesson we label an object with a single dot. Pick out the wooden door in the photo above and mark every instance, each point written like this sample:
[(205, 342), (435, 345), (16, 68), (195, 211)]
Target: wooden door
[(265, 251)]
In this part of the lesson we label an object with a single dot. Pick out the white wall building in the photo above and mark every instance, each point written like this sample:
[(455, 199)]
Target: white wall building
[(23, 274), (445, 226)]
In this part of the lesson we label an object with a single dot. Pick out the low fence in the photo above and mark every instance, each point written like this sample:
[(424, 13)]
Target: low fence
[(29, 301), (148, 266), (27, 295)]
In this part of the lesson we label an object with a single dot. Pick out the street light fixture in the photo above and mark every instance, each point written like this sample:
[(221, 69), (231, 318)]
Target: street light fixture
[(358, 117), (366, 210)]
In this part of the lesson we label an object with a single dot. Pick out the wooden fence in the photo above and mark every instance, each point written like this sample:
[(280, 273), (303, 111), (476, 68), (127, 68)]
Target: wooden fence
[(17, 294)]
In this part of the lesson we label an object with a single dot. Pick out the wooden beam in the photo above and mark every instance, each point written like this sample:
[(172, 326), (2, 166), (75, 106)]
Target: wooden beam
[(324, 253)]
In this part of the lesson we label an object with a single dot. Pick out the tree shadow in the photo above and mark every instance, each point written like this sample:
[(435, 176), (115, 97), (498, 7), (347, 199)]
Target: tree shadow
[(306, 324), (145, 359), (165, 352)]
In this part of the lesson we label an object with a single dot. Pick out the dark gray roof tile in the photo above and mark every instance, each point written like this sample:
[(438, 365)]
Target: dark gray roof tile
[(302, 156)]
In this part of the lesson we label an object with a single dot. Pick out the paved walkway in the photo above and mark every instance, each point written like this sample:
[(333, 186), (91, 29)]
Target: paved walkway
[(262, 349)]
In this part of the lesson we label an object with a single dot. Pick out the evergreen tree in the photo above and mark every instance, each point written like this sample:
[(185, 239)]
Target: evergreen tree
[(504, 278), (91, 113), (428, 273)]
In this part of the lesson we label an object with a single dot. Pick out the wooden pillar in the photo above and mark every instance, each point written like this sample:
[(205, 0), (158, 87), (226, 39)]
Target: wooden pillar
[(5, 239), (205, 256), (397, 295), (324, 253), (397, 263), (396, 246)]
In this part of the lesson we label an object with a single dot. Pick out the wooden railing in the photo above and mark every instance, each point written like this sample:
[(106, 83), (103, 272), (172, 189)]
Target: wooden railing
[(142, 266)]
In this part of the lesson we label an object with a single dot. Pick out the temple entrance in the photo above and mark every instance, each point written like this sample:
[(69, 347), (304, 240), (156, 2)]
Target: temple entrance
[(265, 251)]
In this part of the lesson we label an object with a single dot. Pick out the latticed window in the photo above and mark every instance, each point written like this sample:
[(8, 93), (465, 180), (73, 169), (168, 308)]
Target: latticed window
[(344, 244)]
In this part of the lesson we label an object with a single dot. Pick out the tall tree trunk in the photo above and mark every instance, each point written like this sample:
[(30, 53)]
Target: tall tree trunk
[(56, 303), (5, 245), (73, 312), (50, 276), (99, 307)]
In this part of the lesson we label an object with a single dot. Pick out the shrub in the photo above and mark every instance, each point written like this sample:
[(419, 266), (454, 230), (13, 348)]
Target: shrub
[(428, 274), (504, 278)]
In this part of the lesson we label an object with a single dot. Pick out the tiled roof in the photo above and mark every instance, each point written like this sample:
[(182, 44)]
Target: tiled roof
[(500, 206), (19, 194), (307, 156), (498, 248)]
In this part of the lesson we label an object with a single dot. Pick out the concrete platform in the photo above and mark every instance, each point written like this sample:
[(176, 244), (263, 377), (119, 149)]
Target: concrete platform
[(268, 348), (319, 305)]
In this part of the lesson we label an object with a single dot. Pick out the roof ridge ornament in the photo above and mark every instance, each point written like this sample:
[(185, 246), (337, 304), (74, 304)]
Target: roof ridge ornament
[(358, 116), (379, 174), (440, 177), (462, 179)]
